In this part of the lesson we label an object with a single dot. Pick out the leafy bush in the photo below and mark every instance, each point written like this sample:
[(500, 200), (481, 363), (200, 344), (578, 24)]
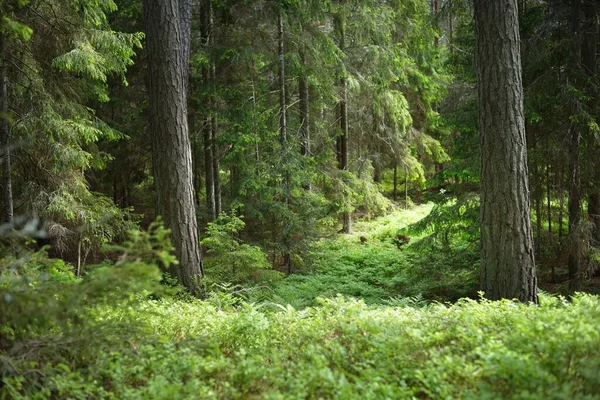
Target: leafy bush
[(52, 323), (340, 349)]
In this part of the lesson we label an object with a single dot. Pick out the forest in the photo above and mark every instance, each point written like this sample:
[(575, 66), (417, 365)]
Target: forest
[(299, 199)]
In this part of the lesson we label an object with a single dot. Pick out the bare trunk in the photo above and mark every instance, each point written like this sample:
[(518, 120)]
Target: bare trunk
[(214, 126), (78, 257), (395, 181), (343, 138), (561, 202), (282, 98), (508, 262), (304, 115), (287, 259), (549, 200), (575, 170), (206, 122), (172, 157), (7, 210)]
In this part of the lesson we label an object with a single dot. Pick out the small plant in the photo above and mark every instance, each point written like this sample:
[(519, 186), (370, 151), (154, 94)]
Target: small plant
[(229, 259)]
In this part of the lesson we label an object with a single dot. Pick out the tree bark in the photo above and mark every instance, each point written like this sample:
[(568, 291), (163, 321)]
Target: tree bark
[(172, 156), (395, 181), (282, 98), (574, 184), (508, 262), (7, 210), (549, 200), (304, 114), (214, 126), (343, 138), (287, 259), (207, 126)]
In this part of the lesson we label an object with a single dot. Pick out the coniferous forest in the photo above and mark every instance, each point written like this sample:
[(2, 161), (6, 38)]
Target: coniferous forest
[(299, 199)]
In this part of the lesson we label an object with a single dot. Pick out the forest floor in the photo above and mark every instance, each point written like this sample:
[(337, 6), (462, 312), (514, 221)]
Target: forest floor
[(400, 255), (360, 325)]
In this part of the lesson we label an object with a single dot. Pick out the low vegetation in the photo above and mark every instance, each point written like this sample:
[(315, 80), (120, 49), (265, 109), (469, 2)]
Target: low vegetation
[(118, 333)]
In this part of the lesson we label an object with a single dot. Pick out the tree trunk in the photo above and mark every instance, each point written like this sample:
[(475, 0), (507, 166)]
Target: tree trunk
[(343, 138), (205, 17), (287, 259), (214, 126), (561, 202), (172, 156), (304, 113), (281, 64), (537, 200), (549, 200), (574, 184), (395, 181), (434, 12), (7, 210), (508, 262)]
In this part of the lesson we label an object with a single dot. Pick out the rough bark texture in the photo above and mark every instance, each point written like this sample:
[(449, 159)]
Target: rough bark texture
[(508, 266), (172, 156), (7, 210)]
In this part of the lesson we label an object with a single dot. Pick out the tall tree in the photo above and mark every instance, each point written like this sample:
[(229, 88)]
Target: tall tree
[(508, 265), (342, 140), (6, 181), (172, 157), (575, 163)]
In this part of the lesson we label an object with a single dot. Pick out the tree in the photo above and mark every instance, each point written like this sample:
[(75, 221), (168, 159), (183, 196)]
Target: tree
[(508, 265), (172, 157)]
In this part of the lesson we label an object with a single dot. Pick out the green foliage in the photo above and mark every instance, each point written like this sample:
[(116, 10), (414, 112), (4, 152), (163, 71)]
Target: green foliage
[(53, 324), (228, 258), (379, 269), (340, 349)]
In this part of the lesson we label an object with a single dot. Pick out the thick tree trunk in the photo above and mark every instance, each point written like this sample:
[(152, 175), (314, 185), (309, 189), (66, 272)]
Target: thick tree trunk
[(7, 198), (508, 264), (172, 156)]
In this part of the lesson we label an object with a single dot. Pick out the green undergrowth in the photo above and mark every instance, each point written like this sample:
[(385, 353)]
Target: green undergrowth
[(115, 333), (436, 263), (341, 349)]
